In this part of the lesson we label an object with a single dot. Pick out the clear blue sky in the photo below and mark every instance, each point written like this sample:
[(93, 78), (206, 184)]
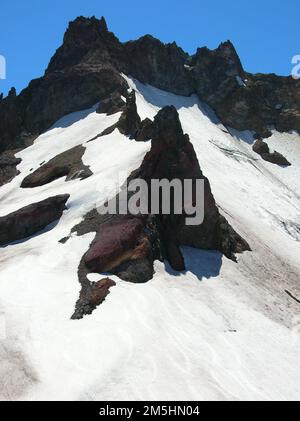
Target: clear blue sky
[(265, 32)]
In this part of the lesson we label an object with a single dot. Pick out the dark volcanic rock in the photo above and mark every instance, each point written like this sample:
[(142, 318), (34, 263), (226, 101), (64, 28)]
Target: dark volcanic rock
[(31, 219), (161, 65), (91, 297), (145, 131), (8, 166), (111, 105), (275, 157), (172, 156), (68, 164), (130, 121), (127, 245), (86, 69), (260, 147)]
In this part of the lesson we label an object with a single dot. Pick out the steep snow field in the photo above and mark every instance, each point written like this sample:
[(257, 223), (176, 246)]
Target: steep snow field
[(221, 330)]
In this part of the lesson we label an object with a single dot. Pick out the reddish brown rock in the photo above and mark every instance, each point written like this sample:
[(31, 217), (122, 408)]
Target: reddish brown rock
[(31, 219), (91, 297), (127, 245), (117, 240)]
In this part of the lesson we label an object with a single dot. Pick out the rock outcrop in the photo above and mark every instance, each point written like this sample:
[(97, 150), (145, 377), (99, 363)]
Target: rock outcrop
[(145, 131), (91, 297), (31, 219), (8, 166), (86, 69), (275, 157), (112, 104), (127, 245), (130, 121), (172, 157), (67, 164)]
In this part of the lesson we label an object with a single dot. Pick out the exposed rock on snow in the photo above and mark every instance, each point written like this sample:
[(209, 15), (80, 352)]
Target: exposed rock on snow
[(127, 245), (31, 219), (130, 121), (67, 164), (93, 295), (275, 157), (231, 331), (189, 315)]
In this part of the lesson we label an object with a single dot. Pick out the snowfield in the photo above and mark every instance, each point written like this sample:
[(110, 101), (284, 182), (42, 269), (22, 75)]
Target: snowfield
[(220, 331)]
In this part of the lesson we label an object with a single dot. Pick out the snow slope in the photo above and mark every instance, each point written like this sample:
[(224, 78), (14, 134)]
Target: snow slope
[(221, 330)]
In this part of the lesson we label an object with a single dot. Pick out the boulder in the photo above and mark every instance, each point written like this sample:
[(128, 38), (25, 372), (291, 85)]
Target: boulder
[(31, 219), (88, 68), (92, 297), (68, 163), (275, 157)]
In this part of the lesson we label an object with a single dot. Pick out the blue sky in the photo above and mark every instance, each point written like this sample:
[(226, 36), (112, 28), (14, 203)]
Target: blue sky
[(265, 33)]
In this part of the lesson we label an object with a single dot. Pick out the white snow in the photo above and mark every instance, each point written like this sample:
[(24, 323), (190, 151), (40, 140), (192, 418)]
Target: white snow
[(221, 330), (240, 81)]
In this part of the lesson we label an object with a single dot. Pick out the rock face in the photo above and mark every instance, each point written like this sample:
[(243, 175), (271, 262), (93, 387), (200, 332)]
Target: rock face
[(8, 166), (111, 105), (86, 69), (127, 245), (68, 164), (275, 157), (172, 156), (130, 121), (145, 131), (161, 65), (31, 219)]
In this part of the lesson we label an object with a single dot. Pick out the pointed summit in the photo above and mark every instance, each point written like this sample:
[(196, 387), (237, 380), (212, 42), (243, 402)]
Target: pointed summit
[(103, 25)]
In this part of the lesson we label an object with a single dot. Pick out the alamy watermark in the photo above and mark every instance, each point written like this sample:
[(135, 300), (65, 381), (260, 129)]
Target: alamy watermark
[(2, 67), (157, 197), (296, 68)]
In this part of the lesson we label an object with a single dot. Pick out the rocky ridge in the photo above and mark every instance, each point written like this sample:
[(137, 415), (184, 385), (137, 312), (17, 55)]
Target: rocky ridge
[(127, 245), (87, 67)]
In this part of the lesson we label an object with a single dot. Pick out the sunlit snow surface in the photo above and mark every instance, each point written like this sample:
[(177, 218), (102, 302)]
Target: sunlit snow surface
[(221, 331)]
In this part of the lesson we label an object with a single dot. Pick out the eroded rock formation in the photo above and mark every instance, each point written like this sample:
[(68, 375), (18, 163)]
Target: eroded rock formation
[(68, 163), (275, 157), (86, 69), (127, 245), (31, 219)]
